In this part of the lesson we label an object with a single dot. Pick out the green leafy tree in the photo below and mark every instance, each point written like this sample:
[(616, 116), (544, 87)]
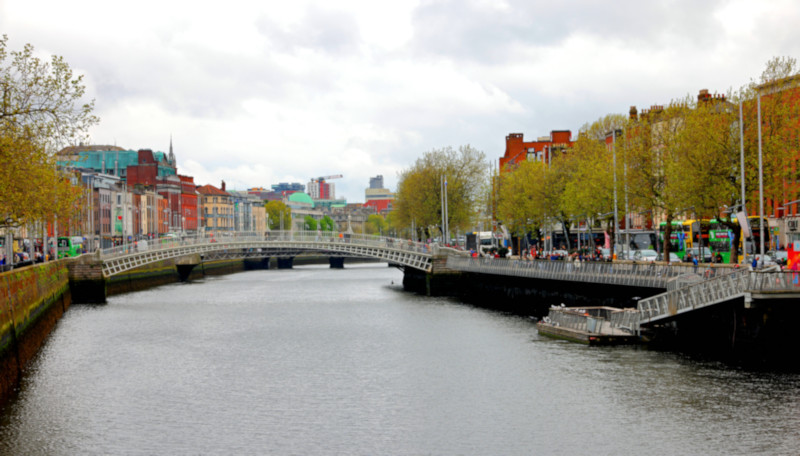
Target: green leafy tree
[(522, 197), (309, 223), (419, 193), (276, 210), (40, 110), (656, 173), (588, 193), (327, 224), (376, 224), (779, 91)]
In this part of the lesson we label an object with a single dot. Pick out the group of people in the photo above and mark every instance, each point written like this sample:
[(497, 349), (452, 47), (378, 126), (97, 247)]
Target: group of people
[(556, 255)]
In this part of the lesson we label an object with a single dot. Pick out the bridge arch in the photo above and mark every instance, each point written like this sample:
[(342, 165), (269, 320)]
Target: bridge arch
[(283, 244)]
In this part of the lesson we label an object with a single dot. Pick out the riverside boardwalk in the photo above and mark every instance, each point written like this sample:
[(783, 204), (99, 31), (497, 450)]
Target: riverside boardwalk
[(681, 293), (626, 273)]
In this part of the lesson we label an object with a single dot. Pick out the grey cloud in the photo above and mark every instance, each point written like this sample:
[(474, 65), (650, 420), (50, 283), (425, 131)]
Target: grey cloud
[(329, 31), (469, 31)]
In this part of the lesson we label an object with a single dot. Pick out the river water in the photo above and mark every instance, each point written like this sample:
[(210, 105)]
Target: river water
[(315, 361)]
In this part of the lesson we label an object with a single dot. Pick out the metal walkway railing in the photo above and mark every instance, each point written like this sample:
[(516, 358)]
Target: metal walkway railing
[(742, 283), (647, 275), (284, 243)]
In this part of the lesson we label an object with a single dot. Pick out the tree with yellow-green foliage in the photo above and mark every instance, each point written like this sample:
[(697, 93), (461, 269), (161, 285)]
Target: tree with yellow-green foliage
[(277, 213), (523, 197), (40, 111), (779, 91), (589, 191), (656, 174), (419, 191), (375, 224)]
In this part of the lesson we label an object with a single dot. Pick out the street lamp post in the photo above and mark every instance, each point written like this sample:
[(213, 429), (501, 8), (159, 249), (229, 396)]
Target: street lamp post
[(760, 183), (614, 164)]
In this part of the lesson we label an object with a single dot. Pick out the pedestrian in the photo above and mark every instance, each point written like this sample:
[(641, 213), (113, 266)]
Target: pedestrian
[(719, 258)]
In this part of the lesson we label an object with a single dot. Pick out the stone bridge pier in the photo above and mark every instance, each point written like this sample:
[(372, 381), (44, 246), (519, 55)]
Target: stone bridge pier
[(441, 281), (86, 281), (186, 264)]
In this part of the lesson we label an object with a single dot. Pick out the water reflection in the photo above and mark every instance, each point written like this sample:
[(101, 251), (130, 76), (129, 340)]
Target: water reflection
[(320, 361)]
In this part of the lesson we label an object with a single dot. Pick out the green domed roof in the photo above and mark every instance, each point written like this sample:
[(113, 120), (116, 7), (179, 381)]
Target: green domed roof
[(300, 197)]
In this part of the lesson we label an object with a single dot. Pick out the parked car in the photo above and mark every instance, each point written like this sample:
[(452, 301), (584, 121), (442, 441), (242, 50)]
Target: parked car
[(763, 262), (673, 258), (645, 255)]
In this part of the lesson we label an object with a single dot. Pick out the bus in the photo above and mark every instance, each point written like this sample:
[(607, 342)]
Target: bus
[(639, 239), (70, 246), (588, 239), (721, 238), (686, 235), (697, 237), (480, 241), (676, 238)]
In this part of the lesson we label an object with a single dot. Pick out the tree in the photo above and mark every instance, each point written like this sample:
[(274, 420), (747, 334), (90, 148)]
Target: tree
[(588, 192), (419, 195), (654, 170), (277, 213), (376, 224), (40, 110), (310, 223), (779, 93), (522, 197), (327, 223)]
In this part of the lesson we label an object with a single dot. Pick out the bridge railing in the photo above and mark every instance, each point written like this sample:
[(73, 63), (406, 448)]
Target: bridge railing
[(717, 290), (232, 239), (652, 275)]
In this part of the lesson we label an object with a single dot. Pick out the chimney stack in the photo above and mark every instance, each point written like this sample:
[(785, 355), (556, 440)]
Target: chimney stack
[(223, 186), (633, 113)]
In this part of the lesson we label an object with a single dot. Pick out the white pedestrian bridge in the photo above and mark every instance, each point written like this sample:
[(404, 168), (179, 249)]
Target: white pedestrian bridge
[(281, 244)]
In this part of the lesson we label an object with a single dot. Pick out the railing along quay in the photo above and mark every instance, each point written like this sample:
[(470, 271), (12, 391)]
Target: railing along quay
[(716, 290), (647, 275)]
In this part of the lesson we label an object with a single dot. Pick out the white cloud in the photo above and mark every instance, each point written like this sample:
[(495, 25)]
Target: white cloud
[(257, 93)]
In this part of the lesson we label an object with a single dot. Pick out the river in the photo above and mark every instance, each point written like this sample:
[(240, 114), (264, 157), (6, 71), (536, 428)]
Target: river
[(317, 361)]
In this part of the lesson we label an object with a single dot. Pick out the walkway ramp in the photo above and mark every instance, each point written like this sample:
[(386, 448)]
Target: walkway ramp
[(740, 284)]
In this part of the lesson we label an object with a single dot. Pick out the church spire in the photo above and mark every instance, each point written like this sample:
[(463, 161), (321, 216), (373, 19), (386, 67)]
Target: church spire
[(171, 154)]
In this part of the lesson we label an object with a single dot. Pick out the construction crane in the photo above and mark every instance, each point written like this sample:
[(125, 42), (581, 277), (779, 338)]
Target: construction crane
[(318, 189), (324, 178)]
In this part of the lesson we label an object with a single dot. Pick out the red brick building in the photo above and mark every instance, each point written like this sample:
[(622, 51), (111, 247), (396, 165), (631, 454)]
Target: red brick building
[(179, 191), (189, 208), (543, 149)]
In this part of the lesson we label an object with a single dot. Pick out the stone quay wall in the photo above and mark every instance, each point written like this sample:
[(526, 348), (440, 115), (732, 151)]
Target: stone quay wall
[(32, 300)]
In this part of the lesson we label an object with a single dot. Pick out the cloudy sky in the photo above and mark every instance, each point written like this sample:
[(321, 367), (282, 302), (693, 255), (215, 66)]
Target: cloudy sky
[(261, 92)]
